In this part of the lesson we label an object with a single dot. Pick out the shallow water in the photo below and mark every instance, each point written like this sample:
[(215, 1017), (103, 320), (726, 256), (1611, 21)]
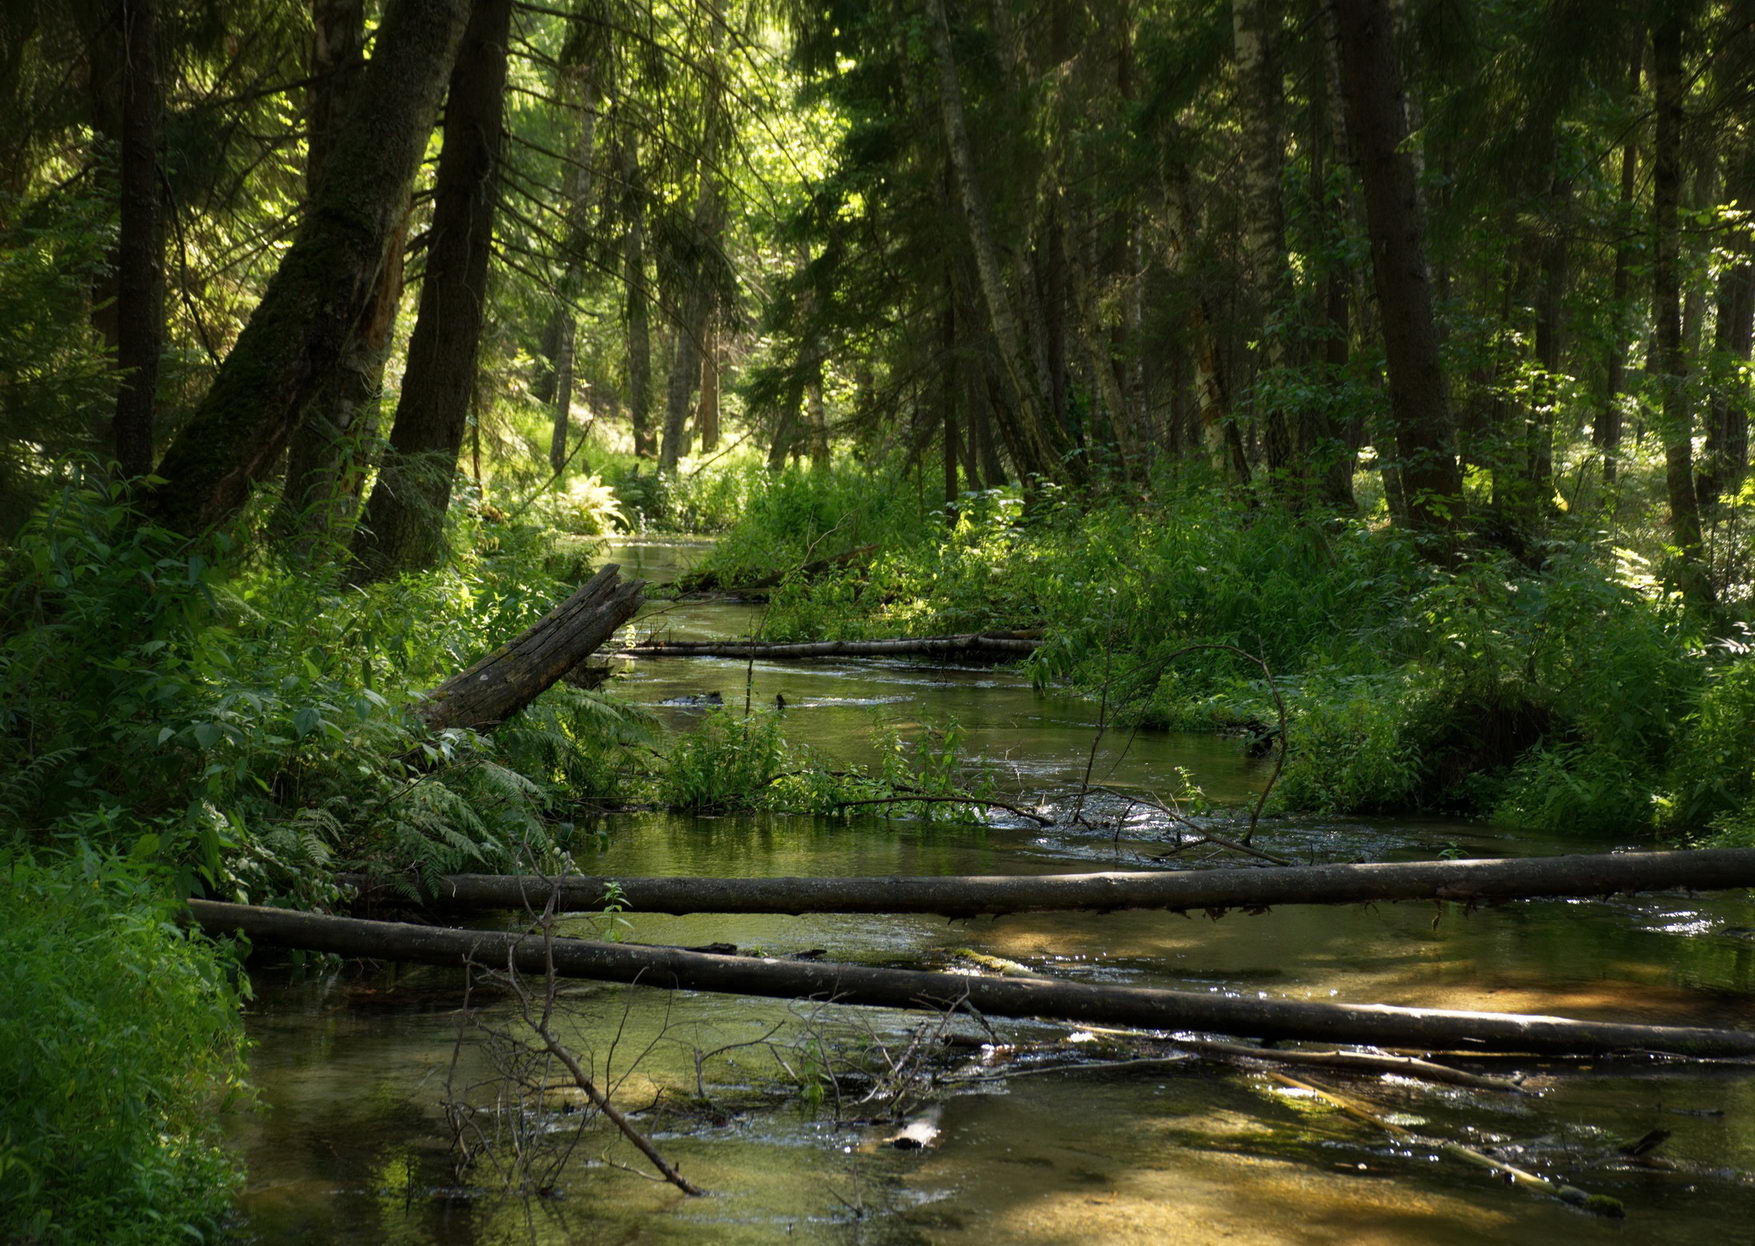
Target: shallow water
[(351, 1143)]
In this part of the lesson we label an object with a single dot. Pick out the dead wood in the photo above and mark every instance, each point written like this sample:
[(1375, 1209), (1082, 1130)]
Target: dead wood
[(1249, 888), (515, 674), (1201, 1012)]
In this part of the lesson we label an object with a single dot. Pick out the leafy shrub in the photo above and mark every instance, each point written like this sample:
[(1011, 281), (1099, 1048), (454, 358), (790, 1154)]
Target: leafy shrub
[(120, 1035)]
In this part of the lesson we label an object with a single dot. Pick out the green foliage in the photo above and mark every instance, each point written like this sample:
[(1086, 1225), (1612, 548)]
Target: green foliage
[(729, 762), (1569, 696), (121, 1035), (742, 762), (256, 724)]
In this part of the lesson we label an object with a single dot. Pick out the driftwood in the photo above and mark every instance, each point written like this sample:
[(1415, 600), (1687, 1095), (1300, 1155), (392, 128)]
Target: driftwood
[(516, 673), (1249, 888), (1204, 1012), (971, 642), (712, 581)]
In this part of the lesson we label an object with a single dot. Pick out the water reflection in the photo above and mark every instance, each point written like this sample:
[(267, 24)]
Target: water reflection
[(351, 1144)]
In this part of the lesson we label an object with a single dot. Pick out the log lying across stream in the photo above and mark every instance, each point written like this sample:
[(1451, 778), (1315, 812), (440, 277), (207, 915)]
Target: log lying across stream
[(1184, 890), (969, 642), (676, 969)]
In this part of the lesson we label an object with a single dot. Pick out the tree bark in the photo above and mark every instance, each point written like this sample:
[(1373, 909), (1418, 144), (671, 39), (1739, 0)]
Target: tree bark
[(140, 242), (971, 642), (579, 81), (1377, 131), (707, 412), (695, 269), (403, 524), (326, 455), (1726, 454), (638, 312), (1255, 25), (1608, 430), (299, 330), (1039, 441), (1206, 1012), (1666, 59), (1212, 890), (512, 676)]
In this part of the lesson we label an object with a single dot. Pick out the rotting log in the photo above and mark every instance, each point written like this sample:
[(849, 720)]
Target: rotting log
[(1248, 888), (970, 642), (1149, 1008), (515, 674)]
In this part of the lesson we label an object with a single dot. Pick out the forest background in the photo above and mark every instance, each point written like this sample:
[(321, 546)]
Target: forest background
[(1402, 345)]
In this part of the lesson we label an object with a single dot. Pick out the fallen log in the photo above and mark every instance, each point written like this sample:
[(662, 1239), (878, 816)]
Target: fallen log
[(1148, 1008), (1249, 888), (971, 642), (515, 674)]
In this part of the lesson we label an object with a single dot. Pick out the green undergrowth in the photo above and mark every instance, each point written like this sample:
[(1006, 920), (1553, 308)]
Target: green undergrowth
[(251, 720), (121, 1037), (1575, 694), (735, 763)]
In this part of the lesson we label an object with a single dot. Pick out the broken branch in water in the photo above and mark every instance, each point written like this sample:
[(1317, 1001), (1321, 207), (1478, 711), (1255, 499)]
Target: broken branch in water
[(1599, 1204)]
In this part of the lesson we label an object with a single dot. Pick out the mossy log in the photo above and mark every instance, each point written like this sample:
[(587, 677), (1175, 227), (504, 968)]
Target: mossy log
[(1249, 888), (516, 673), (670, 968), (970, 642)]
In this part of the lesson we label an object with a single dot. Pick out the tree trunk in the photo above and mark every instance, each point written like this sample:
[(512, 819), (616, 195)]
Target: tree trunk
[(403, 524), (667, 968), (1219, 432), (707, 413), (325, 284), (1608, 430), (1255, 25), (512, 676), (1038, 440), (579, 82), (695, 269), (638, 307), (1666, 49), (140, 242), (1377, 132), (1248, 889), (1726, 455), (326, 455)]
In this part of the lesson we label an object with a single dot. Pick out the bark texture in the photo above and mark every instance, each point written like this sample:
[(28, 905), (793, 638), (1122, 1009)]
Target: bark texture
[(140, 242), (298, 331), (1666, 306), (512, 676), (1377, 131), (402, 526), (675, 969), (327, 454)]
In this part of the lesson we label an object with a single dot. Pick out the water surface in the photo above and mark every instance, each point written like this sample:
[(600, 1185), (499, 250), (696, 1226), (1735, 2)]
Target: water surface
[(352, 1143)]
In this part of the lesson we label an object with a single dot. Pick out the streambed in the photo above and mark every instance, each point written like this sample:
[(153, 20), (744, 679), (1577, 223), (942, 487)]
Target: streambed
[(351, 1143)]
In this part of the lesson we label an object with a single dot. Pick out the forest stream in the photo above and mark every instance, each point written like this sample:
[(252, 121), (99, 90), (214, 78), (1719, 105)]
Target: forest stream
[(352, 1066)]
